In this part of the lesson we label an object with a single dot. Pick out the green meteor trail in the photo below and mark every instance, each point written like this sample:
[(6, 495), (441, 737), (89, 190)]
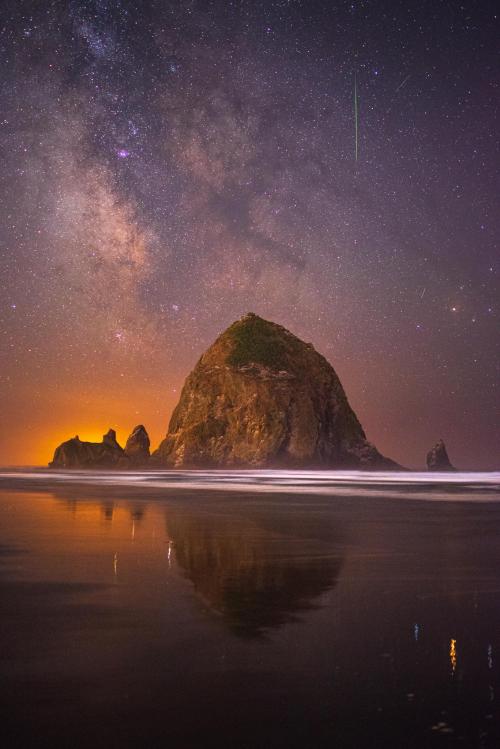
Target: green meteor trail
[(355, 119)]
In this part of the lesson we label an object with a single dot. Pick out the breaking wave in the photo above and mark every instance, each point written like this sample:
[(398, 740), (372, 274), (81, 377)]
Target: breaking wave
[(456, 486)]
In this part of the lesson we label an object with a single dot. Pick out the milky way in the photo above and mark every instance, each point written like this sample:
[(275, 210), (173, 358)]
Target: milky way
[(169, 166)]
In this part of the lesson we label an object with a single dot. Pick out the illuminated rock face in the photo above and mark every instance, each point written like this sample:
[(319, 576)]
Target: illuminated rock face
[(437, 458), (260, 396)]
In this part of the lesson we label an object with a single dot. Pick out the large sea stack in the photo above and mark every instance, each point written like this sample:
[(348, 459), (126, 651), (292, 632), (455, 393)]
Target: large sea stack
[(259, 396)]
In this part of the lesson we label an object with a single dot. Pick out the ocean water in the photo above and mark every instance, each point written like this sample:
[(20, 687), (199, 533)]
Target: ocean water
[(249, 609)]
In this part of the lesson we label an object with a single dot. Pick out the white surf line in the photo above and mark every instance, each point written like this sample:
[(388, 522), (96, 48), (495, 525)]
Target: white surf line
[(456, 486)]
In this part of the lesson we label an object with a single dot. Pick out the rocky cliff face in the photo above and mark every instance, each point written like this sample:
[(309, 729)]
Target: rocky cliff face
[(260, 396), (437, 458), (75, 453)]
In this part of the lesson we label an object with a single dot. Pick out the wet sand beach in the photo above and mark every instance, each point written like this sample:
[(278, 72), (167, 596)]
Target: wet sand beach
[(253, 609)]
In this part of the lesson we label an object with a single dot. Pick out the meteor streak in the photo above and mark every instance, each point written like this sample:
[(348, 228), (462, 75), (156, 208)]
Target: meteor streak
[(355, 119), (403, 82)]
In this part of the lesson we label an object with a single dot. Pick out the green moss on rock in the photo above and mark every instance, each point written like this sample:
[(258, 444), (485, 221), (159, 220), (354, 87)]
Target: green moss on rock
[(254, 341)]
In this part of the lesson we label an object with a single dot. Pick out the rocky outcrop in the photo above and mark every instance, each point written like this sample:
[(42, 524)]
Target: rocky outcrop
[(75, 453), (260, 396), (437, 458), (137, 447)]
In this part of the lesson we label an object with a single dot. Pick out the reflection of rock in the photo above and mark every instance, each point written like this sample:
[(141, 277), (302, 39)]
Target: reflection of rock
[(258, 568), (437, 458), (137, 515), (257, 576), (137, 447), (77, 454), (108, 510), (260, 396)]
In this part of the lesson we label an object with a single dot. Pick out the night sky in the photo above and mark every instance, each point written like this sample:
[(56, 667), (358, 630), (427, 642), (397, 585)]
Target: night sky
[(169, 166)]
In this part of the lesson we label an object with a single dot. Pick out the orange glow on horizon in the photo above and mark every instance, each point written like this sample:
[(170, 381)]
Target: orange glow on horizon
[(35, 445), (45, 447)]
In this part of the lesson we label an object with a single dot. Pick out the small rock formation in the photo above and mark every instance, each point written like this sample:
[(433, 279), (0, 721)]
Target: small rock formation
[(437, 458), (259, 396), (137, 447), (109, 439), (77, 454)]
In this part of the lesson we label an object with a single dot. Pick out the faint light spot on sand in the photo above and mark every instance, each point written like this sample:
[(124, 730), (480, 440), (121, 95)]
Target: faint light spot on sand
[(442, 727)]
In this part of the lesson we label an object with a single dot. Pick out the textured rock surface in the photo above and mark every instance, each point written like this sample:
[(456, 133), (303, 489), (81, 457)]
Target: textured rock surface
[(437, 458), (137, 447), (77, 454), (262, 397)]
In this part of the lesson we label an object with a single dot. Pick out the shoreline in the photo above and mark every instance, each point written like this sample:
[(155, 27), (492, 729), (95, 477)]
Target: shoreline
[(423, 486)]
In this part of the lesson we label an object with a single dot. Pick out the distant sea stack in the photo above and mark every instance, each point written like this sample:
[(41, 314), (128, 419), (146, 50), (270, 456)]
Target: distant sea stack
[(259, 396), (437, 458), (137, 447), (75, 453)]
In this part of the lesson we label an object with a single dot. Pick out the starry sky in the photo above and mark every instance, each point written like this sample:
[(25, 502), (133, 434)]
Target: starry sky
[(169, 166)]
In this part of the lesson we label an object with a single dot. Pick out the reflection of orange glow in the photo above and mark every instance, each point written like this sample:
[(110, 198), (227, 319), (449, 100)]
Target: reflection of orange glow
[(453, 655), (60, 528), (73, 522)]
